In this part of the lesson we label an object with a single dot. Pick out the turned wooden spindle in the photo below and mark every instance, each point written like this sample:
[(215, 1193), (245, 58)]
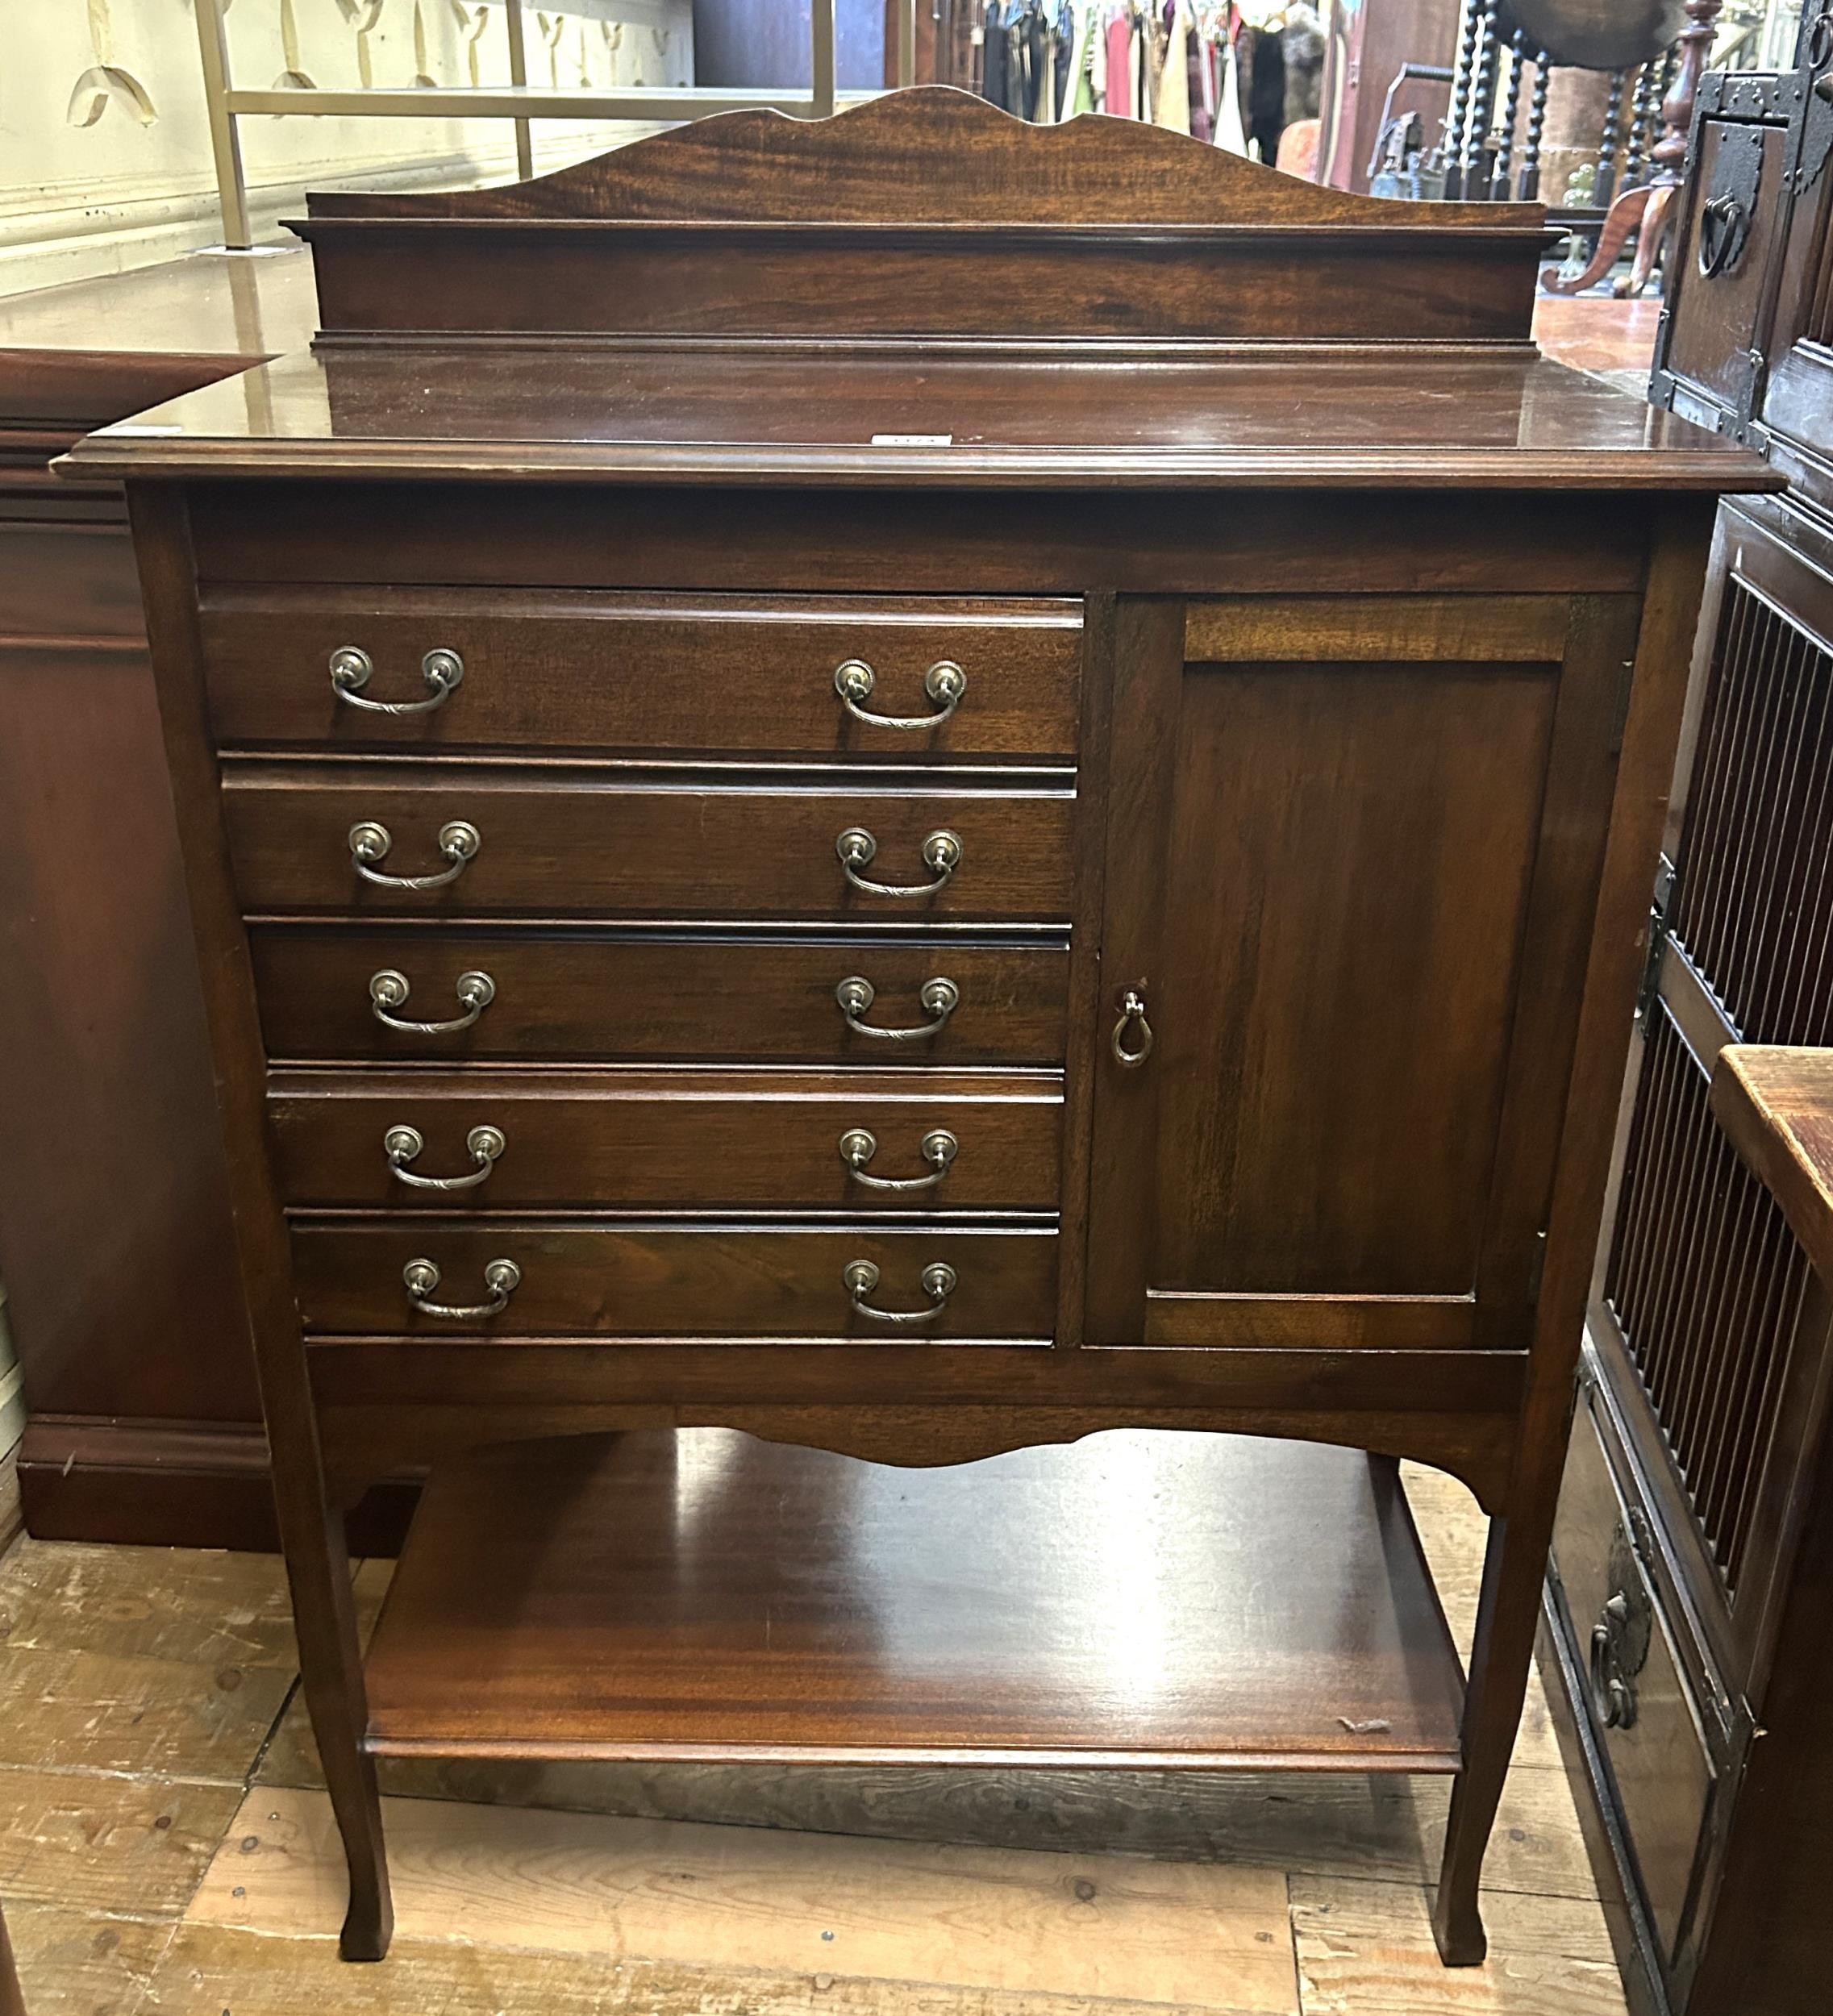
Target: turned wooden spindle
[(1648, 210)]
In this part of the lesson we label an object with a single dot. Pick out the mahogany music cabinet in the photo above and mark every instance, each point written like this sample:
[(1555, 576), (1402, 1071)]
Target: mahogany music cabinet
[(883, 793)]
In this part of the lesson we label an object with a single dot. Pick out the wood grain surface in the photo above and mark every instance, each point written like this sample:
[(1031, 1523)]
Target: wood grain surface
[(941, 1615)]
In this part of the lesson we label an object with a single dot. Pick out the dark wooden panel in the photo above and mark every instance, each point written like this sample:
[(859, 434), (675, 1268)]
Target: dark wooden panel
[(1347, 1023), (825, 1609), (404, 534), (659, 997), (600, 673), (576, 845), (706, 1139), (1001, 281), (121, 1285), (660, 1280), (1713, 344)]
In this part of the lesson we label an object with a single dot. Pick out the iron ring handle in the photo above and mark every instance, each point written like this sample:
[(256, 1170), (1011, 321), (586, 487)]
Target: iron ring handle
[(370, 841), (1724, 224), (939, 998), (390, 988), (861, 1276), (420, 1277), (858, 1146), (944, 683), (941, 855), (1132, 1011), (400, 1144), (1612, 1697), (351, 669), (1820, 39)]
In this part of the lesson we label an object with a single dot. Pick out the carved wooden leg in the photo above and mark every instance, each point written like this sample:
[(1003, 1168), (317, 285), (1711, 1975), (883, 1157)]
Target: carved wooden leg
[(1656, 221), (1508, 1615), (330, 1662), (1625, 215)]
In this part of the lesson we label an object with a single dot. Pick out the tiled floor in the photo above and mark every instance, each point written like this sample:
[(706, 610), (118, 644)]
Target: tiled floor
[(164, 1846)]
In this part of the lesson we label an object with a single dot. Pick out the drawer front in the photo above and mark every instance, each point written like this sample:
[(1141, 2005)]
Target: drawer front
[(1640, 1702), (662, 997), (664, 1281), (641, 674), (569, 848), (706, 1140)]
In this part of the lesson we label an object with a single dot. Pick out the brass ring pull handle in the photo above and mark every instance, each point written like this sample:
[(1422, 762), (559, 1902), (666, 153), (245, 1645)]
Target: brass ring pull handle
[(944, 682), (1132, 1014), (351, 669), (389, 990), (941, 855), (858, 1146), (938, 1279), (401, 1144), (939, 998), (502, 1277), (458, 842), (1724, 225)]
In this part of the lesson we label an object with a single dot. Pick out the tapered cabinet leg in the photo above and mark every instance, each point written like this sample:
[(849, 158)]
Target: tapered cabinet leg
[(1501, 1656), (330, 1663)]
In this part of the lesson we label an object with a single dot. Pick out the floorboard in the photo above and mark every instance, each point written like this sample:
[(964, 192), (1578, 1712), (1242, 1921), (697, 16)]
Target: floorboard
[(149, 1725)]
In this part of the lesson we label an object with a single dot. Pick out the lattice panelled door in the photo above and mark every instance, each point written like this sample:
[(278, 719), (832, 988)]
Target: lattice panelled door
[(1703, 1277)]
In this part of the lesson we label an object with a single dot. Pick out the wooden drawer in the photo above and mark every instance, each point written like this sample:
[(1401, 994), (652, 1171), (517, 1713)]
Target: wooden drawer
[(1641, 1703), (579, 845), (604, 672), (657, 997), (707, 1139), (651, 1279)]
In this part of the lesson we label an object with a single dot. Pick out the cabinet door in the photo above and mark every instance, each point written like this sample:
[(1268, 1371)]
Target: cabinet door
[(1353, 850)]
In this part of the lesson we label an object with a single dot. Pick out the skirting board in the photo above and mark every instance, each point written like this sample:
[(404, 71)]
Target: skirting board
[(172, 1484)]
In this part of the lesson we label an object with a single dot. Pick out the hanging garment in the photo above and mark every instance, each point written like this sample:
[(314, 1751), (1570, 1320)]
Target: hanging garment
[(1266, 92), (1079, 94), (1196, 81), (1301, 51), (994, 56), (1064, 29), (1173, 107), (1230, 133), (1121, 92)]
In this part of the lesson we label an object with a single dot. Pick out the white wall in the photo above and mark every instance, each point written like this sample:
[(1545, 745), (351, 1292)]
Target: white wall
[(77, 200)]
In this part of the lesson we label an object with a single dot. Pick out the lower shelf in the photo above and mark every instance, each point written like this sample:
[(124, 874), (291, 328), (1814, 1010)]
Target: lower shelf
[(1137, 1599)]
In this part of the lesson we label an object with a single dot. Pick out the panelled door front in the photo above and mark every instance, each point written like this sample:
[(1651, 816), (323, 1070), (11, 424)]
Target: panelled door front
[(1353, 850)]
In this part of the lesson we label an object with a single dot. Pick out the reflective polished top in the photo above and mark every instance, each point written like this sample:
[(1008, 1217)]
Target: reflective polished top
[(1044, 416)]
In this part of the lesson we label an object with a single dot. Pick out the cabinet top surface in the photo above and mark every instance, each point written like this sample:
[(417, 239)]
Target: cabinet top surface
[(895, 413), (923, 292)]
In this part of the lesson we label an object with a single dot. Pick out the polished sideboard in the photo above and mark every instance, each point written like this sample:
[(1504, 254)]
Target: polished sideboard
[(1686, 1608), (828, 831), (116, 1253)]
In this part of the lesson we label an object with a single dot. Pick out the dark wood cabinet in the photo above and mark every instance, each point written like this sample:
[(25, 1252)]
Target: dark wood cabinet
[(115, 1248), (1249, 886), (1686, 1606)]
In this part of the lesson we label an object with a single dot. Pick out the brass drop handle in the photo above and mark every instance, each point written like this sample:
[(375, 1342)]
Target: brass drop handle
[(351, 669), (941, 855), (944, 683), (400, 1144), (938, 1279), (370, 841), (1132, 1017), (858, 1146), (389, 989), (939, 998), (502, 1277)]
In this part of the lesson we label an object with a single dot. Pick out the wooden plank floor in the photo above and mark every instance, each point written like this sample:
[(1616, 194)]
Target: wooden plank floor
[(165, 1846)]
